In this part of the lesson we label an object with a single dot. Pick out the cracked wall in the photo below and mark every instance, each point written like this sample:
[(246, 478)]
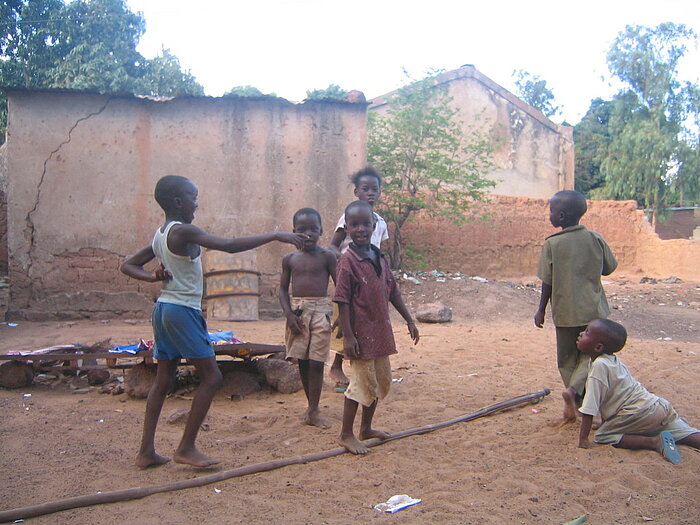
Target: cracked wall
[(81, 169)]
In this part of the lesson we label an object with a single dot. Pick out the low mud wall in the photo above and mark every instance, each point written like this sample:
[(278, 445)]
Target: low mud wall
[(508, 242)]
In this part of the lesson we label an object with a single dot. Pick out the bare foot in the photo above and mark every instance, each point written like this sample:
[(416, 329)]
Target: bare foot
[(339, 376), (352, 444), (195, 458), (314, 419), (569, 406), (150, 460), (372, 433)]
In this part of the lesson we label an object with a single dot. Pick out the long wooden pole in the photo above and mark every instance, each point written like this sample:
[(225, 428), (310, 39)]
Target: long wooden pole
[(141, 492)]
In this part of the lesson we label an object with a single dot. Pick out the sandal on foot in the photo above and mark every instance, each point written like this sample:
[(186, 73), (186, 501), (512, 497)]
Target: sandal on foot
[(669, 449)]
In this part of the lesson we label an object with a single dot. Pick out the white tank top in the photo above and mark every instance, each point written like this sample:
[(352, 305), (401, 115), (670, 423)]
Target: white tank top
[(185, 285)]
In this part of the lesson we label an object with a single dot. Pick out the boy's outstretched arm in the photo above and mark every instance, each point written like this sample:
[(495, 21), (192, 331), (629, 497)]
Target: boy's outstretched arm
[(401, 307), (292, 319), (133, 267), (544, 299), (586, 424), (189, 233)]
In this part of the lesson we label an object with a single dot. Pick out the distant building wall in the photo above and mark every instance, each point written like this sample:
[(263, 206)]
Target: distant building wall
[(534, 157), (682, 223), (509, 242), (81, 169)]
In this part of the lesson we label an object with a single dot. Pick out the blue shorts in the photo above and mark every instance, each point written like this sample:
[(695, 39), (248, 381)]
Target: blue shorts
[(179, 332)]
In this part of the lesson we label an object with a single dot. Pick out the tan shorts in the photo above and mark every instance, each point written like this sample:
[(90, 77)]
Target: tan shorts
[(370, 380), (314, 341), (649, 421)]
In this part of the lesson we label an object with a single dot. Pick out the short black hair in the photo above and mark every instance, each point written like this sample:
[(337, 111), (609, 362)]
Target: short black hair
[(169, 187), (367, 171), (572, 202), (614, 335), (359, 204), (306, 211)]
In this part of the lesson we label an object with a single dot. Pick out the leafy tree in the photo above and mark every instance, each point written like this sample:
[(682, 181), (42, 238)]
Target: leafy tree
[(164, 77), (82, 44), (248, 91), (535, 92), (430, 161), (653, 153), (592, 139), (332, 92)]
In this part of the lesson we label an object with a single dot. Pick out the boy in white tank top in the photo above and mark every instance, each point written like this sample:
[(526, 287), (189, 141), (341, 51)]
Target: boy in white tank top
[(179, 328)]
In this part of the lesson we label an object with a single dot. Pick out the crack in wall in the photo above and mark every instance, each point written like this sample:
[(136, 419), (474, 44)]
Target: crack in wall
[(29, 221)]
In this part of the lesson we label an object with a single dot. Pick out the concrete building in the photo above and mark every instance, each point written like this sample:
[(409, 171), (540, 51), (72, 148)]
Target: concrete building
[(534, 157)]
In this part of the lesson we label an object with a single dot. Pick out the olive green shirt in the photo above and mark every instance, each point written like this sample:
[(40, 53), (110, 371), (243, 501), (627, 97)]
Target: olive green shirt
[(572, 262)]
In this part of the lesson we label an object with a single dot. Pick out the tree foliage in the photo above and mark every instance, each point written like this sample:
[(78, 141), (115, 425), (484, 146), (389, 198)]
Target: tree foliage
[(83, 44), (592, 139), (535, 92), (430, 161), (247, 91), (332, 92), (652, 156)]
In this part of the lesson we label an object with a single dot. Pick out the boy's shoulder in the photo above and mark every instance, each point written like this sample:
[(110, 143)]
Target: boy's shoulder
[(563, 235)]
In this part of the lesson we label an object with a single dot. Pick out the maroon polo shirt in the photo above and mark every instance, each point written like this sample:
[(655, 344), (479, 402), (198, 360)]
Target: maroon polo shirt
[(368, 290)]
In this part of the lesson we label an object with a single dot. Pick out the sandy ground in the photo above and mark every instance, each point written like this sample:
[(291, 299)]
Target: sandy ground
[(513, 467)]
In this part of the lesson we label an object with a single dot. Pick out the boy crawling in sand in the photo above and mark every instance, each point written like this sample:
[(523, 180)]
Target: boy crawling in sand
[(179, 328), (364, 288), (308, 313), (632, 417)]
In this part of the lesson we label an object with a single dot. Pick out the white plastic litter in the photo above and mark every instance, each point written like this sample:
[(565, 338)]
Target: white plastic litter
[(479, 279), (396, 503)]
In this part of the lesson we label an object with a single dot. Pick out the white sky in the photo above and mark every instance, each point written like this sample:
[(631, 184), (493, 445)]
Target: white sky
[(289, 46)]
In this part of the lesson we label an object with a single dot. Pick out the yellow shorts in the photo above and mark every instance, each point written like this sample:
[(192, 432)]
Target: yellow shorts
[(370, 380)]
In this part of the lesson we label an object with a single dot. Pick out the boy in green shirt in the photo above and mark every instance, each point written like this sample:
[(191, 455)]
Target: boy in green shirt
[(571, 264)]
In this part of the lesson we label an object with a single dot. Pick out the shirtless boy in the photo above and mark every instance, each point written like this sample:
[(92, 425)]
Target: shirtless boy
[(308, 333)]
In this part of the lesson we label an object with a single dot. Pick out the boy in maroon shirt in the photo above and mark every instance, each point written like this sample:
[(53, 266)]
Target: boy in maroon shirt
[(364, 288)]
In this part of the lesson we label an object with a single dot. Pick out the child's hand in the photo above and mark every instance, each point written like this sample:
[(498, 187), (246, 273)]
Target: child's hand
[(294, 324), (339, 332), (539, 318), (584, 443), (413, 330), (351, 348), (297, 239), (161, 274)]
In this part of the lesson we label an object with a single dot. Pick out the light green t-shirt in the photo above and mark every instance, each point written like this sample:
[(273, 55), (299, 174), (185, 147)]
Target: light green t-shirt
[(572, 262)]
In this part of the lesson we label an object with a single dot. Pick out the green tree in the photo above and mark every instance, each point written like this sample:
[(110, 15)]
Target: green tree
[(592, 139), (332, 92), (652, 155), (165, 77), (247, 91), (82, 44), (535, 92), (430, 161)]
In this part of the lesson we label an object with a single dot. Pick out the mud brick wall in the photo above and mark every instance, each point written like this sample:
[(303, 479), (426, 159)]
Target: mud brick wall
[(508, 243), (3, 230), (81, 169)]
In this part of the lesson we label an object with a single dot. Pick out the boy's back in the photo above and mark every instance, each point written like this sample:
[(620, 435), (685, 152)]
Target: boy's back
[(572, 262)]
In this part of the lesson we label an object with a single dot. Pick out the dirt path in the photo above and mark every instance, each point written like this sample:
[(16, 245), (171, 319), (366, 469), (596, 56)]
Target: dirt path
[(508, 468)]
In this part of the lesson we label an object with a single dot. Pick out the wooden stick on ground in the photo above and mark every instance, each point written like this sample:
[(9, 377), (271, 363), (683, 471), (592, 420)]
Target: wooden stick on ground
[(142, 492)]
